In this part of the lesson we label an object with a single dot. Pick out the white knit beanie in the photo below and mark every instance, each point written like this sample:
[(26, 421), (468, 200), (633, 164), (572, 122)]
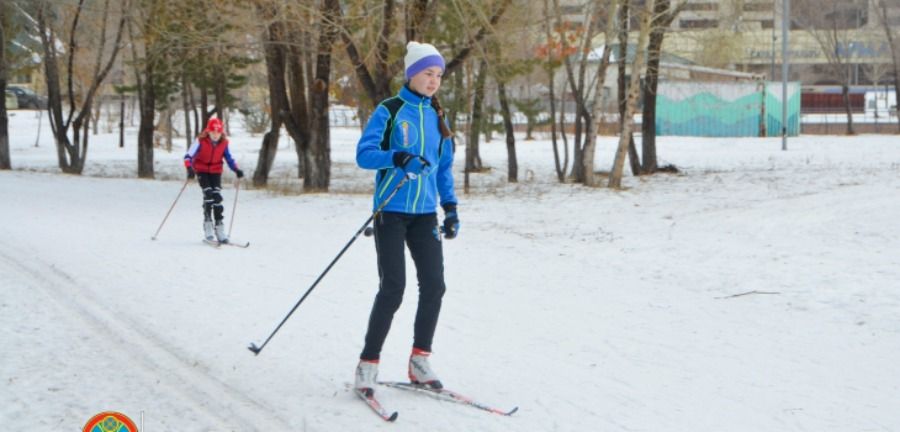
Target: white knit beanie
[(421, 56)]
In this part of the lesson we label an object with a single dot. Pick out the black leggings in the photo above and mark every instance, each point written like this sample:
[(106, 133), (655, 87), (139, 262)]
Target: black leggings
[(212, 197), (420, 234)]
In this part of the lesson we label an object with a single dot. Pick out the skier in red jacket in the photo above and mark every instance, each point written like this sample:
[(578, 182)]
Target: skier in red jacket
[(204, 159)]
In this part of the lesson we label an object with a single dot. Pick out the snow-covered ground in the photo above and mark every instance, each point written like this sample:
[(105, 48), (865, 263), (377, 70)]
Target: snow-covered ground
[(590, 309)]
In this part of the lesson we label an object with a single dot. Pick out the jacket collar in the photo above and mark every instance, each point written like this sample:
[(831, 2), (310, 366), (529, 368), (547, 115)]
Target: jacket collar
[(412, 97)]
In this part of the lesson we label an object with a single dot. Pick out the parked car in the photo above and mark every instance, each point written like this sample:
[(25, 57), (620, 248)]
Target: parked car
[(12, 102), (28, 98)]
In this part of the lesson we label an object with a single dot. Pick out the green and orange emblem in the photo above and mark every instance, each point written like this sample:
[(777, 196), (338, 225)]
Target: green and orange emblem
[(110, 421)]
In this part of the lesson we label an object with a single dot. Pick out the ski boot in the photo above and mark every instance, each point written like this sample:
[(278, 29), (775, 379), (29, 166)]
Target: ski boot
[(366, 374), (420, 372), (221, 236), (208, 231)]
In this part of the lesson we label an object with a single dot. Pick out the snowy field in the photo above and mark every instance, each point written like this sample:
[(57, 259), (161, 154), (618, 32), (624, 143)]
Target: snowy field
[(589, 309)]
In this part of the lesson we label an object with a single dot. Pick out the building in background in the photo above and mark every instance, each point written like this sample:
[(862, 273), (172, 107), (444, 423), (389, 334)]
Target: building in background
[(746, 35)]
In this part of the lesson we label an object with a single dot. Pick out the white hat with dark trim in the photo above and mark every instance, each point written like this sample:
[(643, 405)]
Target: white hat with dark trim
[(421, 56)]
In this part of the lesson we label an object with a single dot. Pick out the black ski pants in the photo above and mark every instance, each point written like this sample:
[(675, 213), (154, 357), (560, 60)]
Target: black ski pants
[(393, 233), (212, 195)]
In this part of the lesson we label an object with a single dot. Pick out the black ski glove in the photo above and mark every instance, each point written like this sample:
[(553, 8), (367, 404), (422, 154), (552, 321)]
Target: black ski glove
[(451, 221), (190, 172), (410, 163), (239, 172)]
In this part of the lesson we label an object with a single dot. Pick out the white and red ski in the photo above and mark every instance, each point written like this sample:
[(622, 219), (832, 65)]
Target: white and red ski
[(370, 400), (446, 395)]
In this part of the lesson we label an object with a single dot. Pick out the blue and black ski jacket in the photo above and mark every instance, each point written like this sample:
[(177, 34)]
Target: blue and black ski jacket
[(407, 122)]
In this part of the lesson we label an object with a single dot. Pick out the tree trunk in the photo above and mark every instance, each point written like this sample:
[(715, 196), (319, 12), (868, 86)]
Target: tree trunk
[(204, 107), (275, 72), (145, 129), (122, 120), (659, 24), (4, 119), (615, 174), (512, 164), (845, 92), (551, 76), (634, 160), (577, 174), (298, 118), (590, 145), (267, 153), (896, 91), (198, 126), (318, 161), (562, 131), (473, 161), (54, 93), (622, 55), (170, 131), (624, 20), (186, 107), (578, 88), (219, 92)]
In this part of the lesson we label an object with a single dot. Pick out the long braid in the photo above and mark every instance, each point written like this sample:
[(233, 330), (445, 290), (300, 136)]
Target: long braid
[(445, 130)]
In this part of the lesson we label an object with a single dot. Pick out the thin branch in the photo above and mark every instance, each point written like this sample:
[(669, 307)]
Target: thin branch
[(749, 293), (73, 47), (461, 56)]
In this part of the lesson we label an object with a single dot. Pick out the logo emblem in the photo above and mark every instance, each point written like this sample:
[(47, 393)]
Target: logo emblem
[(410, 135), (110, 421)]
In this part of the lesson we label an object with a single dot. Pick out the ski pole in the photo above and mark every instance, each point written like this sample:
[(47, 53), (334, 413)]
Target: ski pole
[(170, 208), (257, 349), (237, 188)]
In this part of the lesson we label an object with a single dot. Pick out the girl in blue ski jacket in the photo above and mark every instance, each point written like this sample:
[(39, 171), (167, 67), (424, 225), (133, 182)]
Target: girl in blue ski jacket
[(407, 137)]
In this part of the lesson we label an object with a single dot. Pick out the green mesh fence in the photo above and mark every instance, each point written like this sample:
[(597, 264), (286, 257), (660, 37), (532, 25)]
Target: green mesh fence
[(725, 109)]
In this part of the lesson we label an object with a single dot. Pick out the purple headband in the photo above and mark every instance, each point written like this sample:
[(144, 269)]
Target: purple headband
[(424, 63)]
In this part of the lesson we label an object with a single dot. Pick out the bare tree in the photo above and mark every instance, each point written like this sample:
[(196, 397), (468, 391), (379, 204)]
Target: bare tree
[(473, 160), (53, 17), (586, 95), (615, 174), (624, 17), (512, 171), (662, 19), (882, 12), (590, 178), (301, 104), (555, 50), (506, 64), (318, 154), (376, 74), (151, 51), (275, 55), (829, 23), (580, 39)]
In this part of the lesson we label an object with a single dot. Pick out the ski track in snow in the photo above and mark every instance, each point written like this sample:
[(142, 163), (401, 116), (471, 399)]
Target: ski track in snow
[(187, 387)]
